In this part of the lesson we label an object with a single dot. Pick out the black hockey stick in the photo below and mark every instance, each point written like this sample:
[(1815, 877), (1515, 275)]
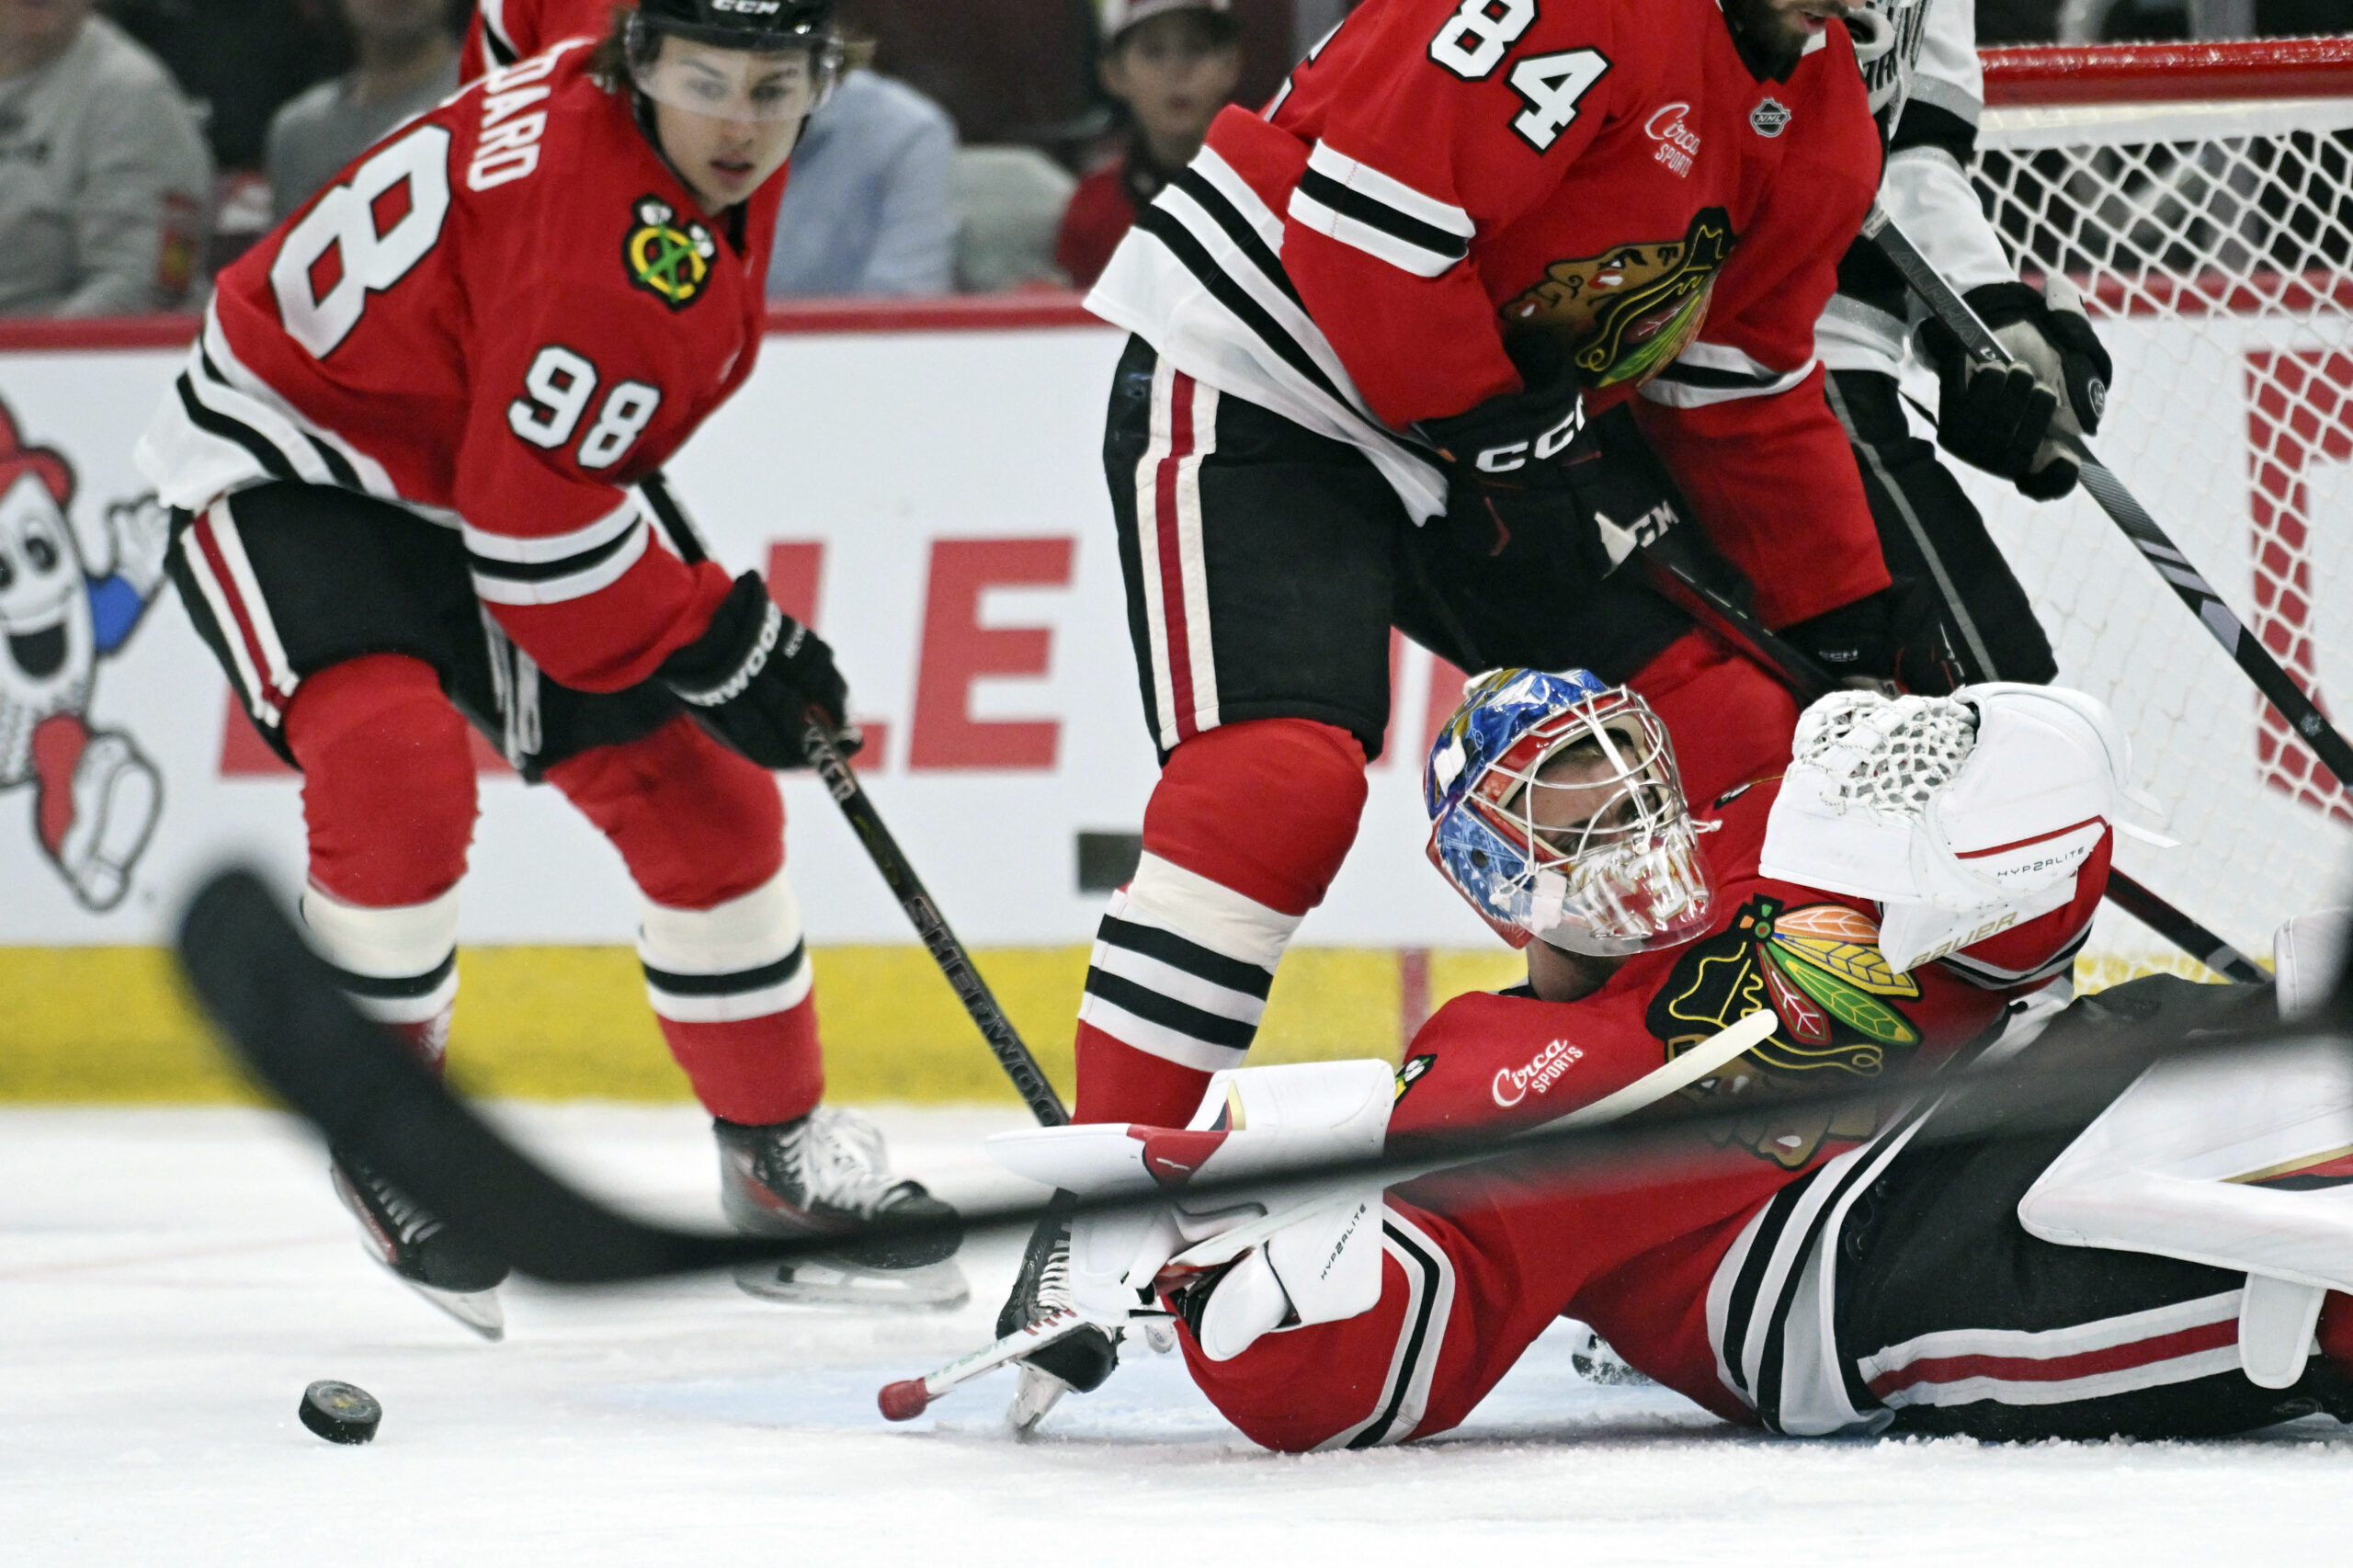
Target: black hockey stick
[(284, 1013), (1738, 627), (2245, 649), (1004, 1040)]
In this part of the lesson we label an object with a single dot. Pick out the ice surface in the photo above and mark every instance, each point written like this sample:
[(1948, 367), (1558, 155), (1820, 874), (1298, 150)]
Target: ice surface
[(171, 1279)]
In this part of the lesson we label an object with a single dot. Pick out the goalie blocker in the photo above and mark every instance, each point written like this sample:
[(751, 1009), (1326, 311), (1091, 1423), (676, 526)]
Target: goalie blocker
[(1816, 1274)]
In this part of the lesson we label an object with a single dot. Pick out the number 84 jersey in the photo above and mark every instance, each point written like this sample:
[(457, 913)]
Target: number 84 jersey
[(500, 316)]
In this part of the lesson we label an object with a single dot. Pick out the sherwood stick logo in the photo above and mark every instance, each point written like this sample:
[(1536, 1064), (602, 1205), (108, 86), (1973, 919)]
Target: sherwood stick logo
[(1512, 1084)]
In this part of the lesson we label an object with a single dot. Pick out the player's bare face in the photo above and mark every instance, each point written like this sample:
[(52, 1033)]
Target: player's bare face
[(1778, 31), (727, 117)]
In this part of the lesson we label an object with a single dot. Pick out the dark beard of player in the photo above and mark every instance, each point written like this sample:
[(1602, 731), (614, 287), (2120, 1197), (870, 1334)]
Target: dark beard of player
[(1770, 38)]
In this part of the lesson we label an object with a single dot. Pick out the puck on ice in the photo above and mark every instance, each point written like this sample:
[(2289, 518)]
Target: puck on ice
[(341, 1413)]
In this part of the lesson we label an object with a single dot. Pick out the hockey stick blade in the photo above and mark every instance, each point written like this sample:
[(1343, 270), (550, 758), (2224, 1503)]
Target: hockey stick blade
[(278, 1003), (280, 1006), (2292, 702)]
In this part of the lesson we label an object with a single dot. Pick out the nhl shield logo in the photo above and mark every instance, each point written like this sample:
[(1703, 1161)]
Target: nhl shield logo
[(1769, 117), (666, 256)]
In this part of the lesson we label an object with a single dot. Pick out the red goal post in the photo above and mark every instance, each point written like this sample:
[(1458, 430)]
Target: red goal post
[(2200, 196)]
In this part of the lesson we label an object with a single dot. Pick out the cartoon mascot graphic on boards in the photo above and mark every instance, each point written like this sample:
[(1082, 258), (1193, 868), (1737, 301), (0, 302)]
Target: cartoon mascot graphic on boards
[(71, 593)]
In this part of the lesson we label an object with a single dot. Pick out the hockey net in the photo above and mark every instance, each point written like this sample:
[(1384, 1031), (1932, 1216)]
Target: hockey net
[(2201, 198)]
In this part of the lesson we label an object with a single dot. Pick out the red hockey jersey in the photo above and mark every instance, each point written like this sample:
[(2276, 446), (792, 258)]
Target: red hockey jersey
[(501, 32), (1440, 176), (500, 316), (1702, 1269)]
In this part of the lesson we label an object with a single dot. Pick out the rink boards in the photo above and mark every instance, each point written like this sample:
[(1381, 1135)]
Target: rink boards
[(930, 489)]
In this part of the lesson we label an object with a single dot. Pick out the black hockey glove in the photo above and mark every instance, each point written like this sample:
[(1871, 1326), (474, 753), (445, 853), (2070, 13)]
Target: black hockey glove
[(754, 673), (1890, 638), (2006, 421), (1507, 459)]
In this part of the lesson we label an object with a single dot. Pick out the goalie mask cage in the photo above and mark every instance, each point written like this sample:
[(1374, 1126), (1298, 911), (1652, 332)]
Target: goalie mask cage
[(2200, 196)]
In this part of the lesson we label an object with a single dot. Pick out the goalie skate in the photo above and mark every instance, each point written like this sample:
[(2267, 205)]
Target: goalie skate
[(1078, 1363), (423, 1253), (825, 1173)]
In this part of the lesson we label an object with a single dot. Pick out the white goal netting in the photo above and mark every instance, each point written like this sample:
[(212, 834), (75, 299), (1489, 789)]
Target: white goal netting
[(2214, 238)]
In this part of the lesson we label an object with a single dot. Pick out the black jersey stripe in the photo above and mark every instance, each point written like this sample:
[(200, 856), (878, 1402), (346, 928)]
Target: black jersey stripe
[(1866, 1167), (1175, 951), (1168, 1013), (1692, 375), (338, 466), (1185, 246), (1416, 1338), (1371, 211), (546, 571), (1238, 229), (1741, 1309), (736, 983), (213, 423), (397, 987)]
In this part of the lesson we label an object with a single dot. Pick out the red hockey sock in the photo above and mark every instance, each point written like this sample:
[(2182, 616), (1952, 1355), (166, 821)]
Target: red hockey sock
[(1244, 831), (2335, 1333), (388, 780), (726, 970)]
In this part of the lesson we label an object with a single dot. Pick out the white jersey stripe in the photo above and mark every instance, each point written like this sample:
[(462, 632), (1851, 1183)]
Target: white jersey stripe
[(1155, 607), (1192, 569), (499, 590), (1366, 180)]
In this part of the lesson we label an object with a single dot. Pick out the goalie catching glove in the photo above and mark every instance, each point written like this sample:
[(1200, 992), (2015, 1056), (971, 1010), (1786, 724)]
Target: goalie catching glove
[(2012, 421), (752, 675)]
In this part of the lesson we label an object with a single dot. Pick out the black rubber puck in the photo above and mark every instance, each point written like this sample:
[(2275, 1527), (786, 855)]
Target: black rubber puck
[(341, 1413)]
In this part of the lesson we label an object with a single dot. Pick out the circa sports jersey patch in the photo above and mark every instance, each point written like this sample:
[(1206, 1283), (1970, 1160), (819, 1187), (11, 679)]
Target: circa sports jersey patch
[(1819, 968), (1769, 117), (1626, 313), (666, 255)]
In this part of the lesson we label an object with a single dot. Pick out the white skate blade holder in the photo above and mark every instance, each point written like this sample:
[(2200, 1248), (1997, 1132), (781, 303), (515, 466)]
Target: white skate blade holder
[(824, 1280)]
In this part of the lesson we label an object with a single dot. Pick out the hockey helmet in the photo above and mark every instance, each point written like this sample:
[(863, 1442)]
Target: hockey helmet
[(752, 80), (1601, 856)]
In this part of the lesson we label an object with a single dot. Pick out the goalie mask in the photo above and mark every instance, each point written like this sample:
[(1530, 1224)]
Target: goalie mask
[(1557, 813)]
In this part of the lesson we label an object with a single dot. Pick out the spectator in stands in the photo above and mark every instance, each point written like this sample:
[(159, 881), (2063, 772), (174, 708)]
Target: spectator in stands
[(870, 207), (406, 54), (1173, 64), (105, 185)]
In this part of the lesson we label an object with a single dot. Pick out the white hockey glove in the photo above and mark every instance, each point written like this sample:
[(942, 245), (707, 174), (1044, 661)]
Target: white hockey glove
[(2005, 422), (1233, 1267), (1963, 815)]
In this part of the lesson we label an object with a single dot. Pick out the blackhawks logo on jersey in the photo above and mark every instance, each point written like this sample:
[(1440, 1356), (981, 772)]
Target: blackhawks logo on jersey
[(1819, 968), (1625, 314), (667, 255)]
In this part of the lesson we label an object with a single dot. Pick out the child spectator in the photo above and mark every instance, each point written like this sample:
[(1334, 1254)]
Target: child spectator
[(407, 62), (1173, 64), (105, 184)]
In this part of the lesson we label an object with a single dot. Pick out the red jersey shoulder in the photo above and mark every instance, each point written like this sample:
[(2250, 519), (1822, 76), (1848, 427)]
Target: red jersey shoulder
[(503, 31)]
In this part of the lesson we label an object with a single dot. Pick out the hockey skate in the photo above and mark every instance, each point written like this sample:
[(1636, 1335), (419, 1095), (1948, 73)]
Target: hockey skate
[(1076, 1363), (422, 1252), (824, 1173)]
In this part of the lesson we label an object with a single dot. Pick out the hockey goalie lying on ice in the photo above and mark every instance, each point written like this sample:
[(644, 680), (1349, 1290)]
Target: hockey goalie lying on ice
[(2163, 1270)]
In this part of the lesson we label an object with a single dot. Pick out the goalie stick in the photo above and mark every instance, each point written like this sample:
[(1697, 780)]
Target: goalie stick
[(283, 1011), (1004, 1040), (1736, 625), (2245, 649)]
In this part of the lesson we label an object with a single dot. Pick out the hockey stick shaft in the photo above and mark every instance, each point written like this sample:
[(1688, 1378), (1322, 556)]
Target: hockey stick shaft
[(1004, 1040), (1808, 682), (2189, 585), (284, 1013), (905, 1400)]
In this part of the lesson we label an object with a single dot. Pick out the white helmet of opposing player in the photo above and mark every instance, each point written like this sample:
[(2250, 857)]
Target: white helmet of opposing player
[(1961, 815)]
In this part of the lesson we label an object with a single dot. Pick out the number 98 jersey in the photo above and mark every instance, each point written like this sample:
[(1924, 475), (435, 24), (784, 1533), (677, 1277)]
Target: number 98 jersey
[(500, 316)]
